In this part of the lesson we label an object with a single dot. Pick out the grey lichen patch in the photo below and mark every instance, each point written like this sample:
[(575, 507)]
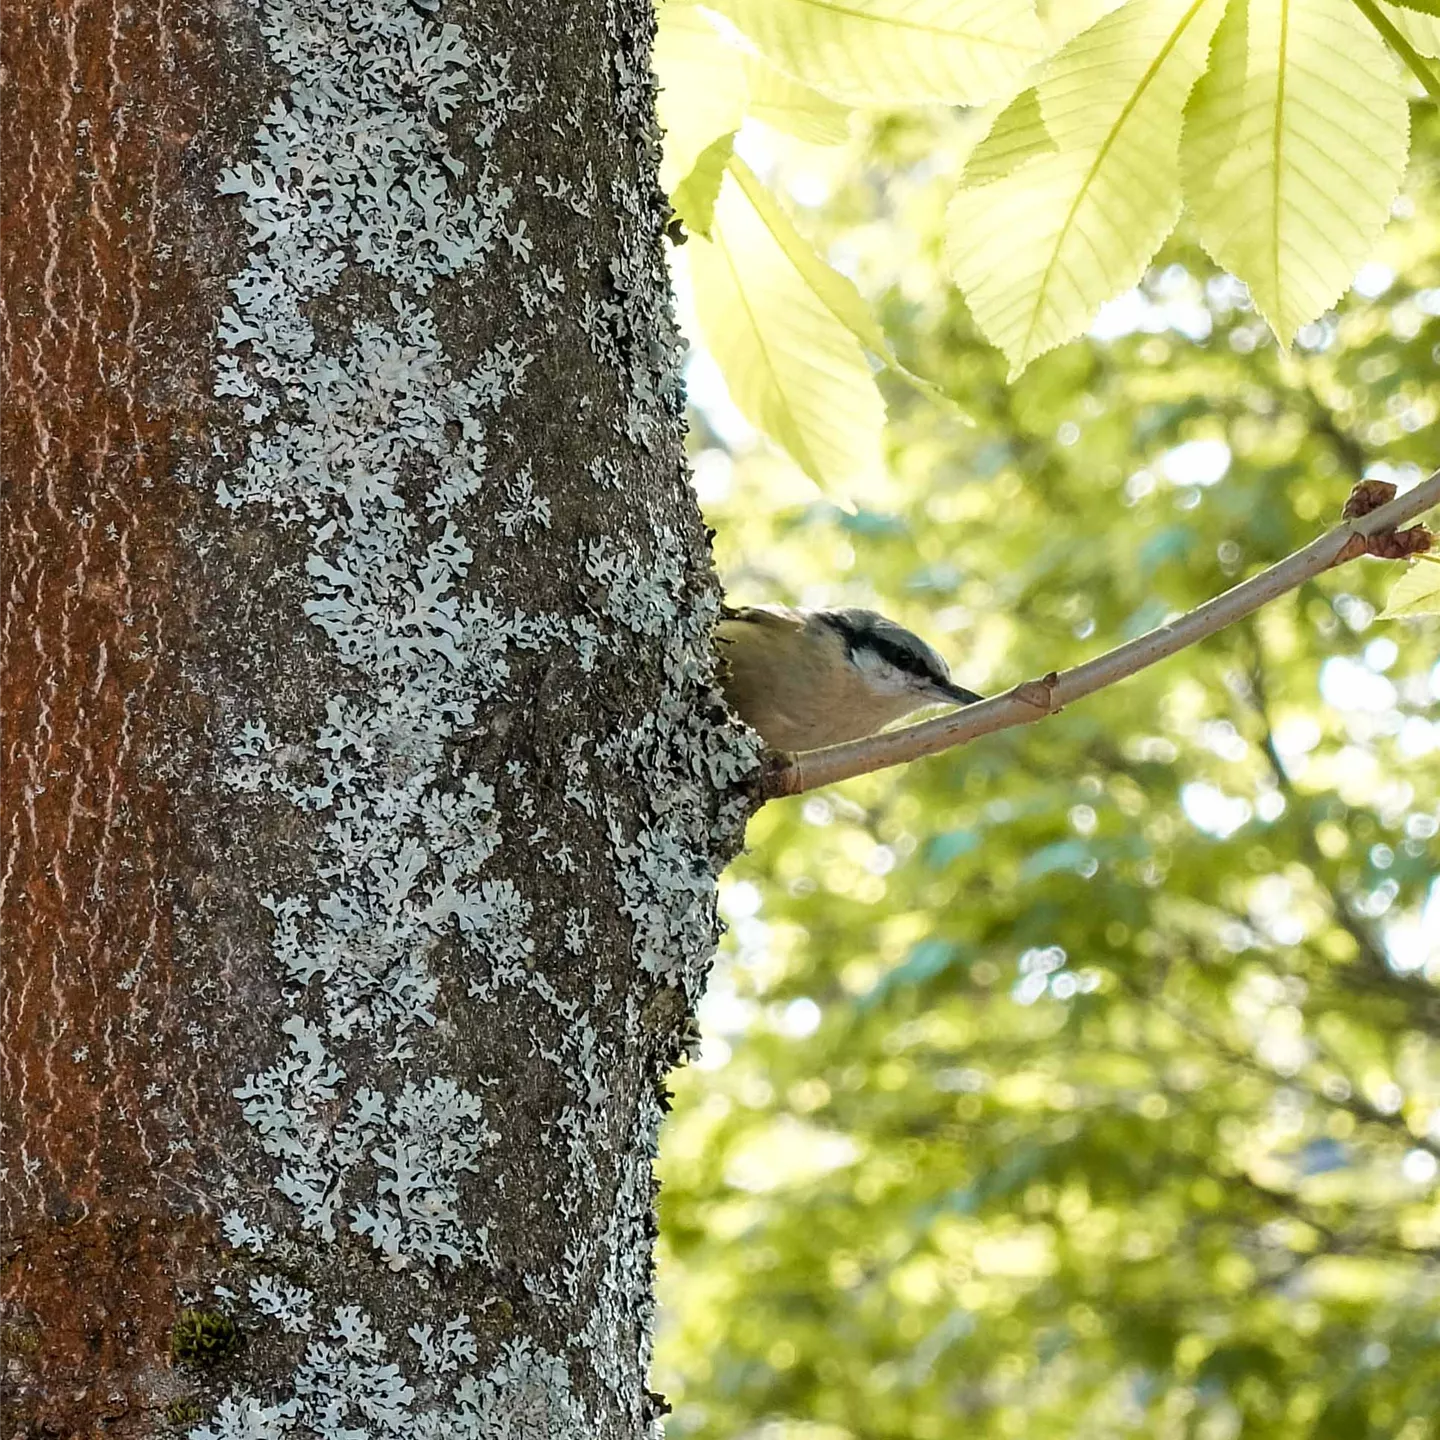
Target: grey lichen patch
[(455, 842), (445, 1350), (288, 1303), (526, 1393), (348, 1385), (351, 170), (242, 1234), (413, 1148), (621, 1309), (690, 750)]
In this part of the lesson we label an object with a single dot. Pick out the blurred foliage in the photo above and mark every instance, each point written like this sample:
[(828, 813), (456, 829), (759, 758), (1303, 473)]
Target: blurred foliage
[(1084, 1081)]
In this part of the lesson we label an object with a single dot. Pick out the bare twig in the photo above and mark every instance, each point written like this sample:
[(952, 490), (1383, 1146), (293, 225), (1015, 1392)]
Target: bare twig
[(1365, 531)]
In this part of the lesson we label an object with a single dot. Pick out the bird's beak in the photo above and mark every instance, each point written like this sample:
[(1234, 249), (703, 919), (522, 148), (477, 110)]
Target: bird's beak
[(955, 694)]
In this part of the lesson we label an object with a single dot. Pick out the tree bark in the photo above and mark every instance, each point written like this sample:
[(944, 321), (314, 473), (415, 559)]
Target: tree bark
[(364, 785)]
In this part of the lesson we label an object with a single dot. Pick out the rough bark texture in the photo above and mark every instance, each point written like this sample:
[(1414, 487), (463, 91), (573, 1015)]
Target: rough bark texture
[(363, 785), (88, 636)]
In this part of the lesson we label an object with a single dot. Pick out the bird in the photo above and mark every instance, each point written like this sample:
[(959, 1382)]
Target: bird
[(805, 679)]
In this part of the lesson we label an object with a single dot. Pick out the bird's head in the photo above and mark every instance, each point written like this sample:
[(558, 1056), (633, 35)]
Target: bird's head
[(893, 660)]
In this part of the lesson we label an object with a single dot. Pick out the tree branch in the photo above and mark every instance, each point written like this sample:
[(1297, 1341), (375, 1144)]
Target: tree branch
[(1372, 533)]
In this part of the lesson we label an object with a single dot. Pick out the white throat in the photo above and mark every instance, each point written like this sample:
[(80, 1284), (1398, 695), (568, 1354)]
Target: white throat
[(881, 676)]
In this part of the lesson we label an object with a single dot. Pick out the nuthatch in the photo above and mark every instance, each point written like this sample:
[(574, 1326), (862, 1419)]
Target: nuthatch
[(809, 678)]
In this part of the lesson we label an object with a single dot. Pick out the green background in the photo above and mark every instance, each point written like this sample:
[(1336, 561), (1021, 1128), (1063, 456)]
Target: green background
[(1083, 1081)]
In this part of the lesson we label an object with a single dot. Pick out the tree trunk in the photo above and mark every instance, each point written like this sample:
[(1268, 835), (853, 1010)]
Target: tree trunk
[(364, 787)]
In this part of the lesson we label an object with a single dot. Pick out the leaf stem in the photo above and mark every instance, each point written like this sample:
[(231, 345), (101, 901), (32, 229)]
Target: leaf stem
[(1031, 701), (1418, 65)]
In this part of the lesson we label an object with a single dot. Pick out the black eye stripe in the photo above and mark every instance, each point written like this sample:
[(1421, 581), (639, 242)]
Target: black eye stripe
[(901, 657)]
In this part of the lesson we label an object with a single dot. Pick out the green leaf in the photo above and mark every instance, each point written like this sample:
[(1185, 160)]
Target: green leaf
[(1426, 7), (792, 367), (781, 101), (896, 52), (694, 197), (1039, 250), (1393, 34), (1294, 149), (703, 88), (1062, 20), (1421, 31), (1417, 591), (1018, 134), (834, 290)]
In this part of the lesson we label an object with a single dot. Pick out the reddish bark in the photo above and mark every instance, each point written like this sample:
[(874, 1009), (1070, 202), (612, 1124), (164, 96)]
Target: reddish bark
[(94, 126)]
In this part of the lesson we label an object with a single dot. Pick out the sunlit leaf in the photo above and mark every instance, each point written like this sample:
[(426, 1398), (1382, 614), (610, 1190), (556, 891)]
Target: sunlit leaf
[(883, 52), (835, 291), (1018, 134), (1038, 251), (1294, 149), (1417, 591), (703, 90), (1422, 31), (694, 197), (785, 103), (1061, 20), (792, 367)]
